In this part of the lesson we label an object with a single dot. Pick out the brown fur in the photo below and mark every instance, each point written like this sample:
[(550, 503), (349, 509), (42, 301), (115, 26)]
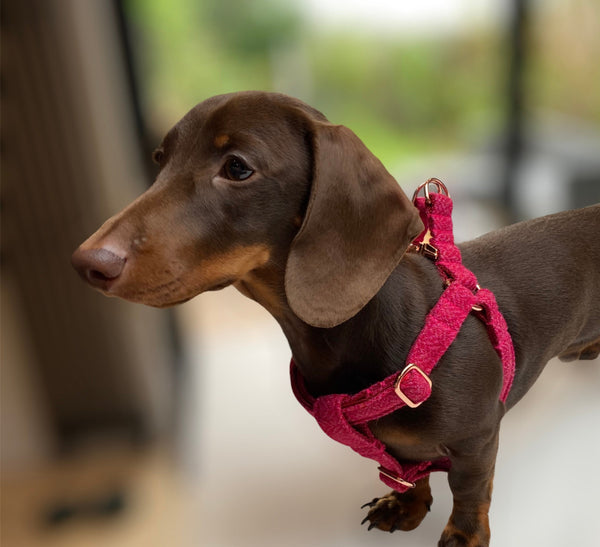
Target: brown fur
[(317, 235)]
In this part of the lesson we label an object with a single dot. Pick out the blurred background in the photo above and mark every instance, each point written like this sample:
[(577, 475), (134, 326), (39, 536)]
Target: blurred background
[(126, 426)]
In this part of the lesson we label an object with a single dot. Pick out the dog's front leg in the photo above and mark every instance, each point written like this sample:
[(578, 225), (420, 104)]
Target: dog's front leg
[(471, 478)]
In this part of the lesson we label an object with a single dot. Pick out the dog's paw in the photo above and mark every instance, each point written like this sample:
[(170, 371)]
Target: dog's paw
[(478, 534), (398, 511), (461, 540)]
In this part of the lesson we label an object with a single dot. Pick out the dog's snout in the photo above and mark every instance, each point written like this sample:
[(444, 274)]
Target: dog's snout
[(99, 267)]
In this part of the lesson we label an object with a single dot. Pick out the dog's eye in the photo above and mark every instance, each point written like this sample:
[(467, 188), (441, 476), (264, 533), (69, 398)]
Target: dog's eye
[(158, 155), (236, 169)]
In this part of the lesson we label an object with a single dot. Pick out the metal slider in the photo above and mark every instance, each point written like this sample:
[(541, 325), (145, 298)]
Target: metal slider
[(395, 478), (398, 385), (425, 249)]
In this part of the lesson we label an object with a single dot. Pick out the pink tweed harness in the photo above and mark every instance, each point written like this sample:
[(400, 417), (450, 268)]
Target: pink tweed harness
[(345, 417)]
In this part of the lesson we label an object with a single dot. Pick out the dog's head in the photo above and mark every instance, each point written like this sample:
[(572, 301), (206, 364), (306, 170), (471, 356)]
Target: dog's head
[(250, 181)]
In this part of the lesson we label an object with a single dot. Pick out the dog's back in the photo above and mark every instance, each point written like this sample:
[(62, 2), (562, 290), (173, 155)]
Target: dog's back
[(546, 276)]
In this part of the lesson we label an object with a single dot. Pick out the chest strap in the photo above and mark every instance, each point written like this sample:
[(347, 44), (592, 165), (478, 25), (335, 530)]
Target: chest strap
[(345, 417)]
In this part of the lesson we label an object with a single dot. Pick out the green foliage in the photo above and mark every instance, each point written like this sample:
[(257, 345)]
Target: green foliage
[(253, 29), (403, 97)]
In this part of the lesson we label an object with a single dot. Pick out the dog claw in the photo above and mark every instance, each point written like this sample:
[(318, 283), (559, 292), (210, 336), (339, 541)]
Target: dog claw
[(370, 503), (397, 511)]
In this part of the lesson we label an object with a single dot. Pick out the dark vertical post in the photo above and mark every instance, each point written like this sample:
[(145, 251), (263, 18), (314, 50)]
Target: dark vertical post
[(515, 103)]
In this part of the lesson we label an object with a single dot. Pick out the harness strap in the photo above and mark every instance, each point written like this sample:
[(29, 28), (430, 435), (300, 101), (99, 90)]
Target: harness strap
[(330, 411), (345, 417), (436, 213)]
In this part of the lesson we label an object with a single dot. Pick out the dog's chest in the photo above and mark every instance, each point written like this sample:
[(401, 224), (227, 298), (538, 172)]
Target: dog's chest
[(407, 443)]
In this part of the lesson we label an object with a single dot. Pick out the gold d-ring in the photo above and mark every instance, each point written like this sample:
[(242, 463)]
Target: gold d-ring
[(440, 188)]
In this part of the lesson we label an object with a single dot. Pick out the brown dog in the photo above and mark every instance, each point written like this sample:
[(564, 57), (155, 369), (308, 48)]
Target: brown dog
[(258, 190)]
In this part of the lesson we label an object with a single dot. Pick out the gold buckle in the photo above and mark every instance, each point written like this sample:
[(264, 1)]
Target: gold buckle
[(425, 249), (392, 476), (440, 186), (398, 389)]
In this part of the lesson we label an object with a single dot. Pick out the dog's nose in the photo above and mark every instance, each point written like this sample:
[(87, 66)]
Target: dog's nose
[(99, 267)]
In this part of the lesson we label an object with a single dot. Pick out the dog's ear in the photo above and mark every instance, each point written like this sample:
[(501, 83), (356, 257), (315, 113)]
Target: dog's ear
[(357, 226)]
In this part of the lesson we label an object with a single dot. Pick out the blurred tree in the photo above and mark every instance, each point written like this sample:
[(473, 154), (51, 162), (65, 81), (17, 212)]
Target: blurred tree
[(404, 95), (253, 29)]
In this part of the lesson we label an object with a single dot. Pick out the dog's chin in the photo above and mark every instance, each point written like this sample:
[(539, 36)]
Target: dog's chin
[(161, 301), (171, 304), (219, 286)]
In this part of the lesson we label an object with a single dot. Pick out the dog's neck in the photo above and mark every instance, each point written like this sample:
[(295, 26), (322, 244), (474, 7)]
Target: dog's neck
[(359, 342), (313, 353)]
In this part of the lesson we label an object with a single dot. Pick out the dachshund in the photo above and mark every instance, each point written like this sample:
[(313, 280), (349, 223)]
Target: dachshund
[(260, 191)]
